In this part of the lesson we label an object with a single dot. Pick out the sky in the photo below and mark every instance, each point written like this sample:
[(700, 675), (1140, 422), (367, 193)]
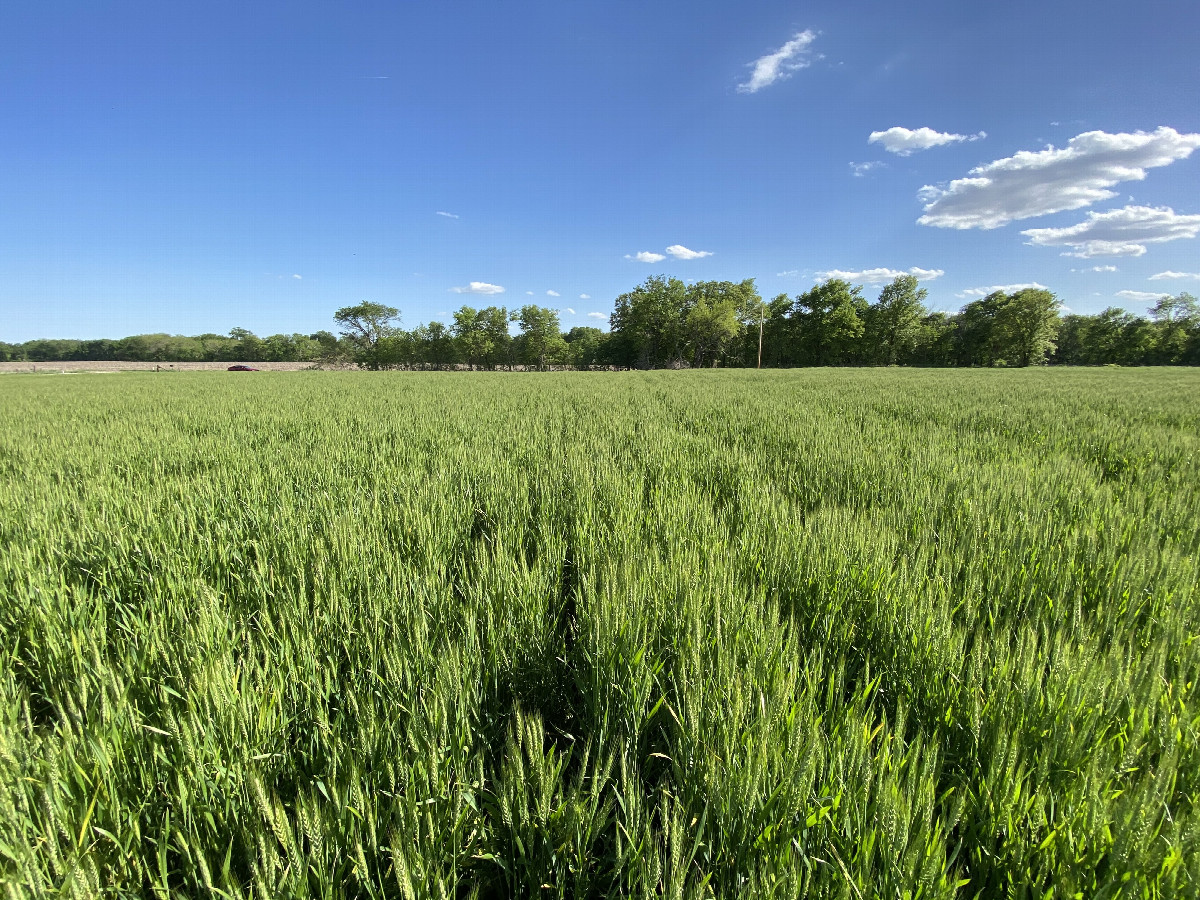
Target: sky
[(191, 167)]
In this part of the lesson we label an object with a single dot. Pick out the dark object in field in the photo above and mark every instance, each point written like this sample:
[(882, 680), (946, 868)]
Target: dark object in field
[(240, 368)]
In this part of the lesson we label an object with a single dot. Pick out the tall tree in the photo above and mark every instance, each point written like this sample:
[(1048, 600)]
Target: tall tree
[(650, 321), (1030, 323), (369, 328), (482, 335), (715, 314), (893, 323), (1176, 318), (541, 341), (1009, 329), (829, 324)]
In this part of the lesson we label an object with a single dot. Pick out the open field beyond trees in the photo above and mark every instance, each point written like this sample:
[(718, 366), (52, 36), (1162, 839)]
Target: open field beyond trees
[(825, 633)]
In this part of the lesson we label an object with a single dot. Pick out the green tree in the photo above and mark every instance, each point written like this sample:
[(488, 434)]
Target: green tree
[(1009, 329), (368, 329), (1030, 324), (715, 317), (650, 322), (893, 323), (482, 335), (541, 341), (434, 345), (586, 346), (1176, 318), (495, 323), (828, 320)]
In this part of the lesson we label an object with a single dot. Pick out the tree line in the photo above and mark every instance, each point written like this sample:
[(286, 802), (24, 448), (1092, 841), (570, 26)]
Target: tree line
[(667, 323)]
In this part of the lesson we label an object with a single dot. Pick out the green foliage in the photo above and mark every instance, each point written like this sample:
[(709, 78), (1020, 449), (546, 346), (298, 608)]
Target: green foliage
[(829, 324), (541, 341), (878, 633), (482, 336), (370, 331)]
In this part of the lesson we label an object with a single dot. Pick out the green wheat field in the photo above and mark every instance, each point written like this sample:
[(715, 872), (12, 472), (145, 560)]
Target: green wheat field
[(821, 633)]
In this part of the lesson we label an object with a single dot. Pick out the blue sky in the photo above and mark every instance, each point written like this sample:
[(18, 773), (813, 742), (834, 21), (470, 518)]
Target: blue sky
[(189, 167)]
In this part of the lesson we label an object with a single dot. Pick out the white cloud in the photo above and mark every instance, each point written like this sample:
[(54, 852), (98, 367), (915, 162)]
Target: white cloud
[(1007, 288), (879, 276), (297, 277), (585, 296), (858, 170), (1117, 232), (646, 256), (791, 57), (597, 315), (1036, 183), (681, 252), (790, 273), (1162, 276), (447, 215), (1104, 268), (569, 310), (553, 294), (479, 287), (906, 142), (1139, 296)]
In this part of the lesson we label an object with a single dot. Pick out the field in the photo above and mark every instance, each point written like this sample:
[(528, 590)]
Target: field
[(822, 633)]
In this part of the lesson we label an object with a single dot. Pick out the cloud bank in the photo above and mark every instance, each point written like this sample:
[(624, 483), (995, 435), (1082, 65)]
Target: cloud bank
[(879, 276), (1007, 288), (681, 252), (1118, 232), (479, 287), (906, 142), (1163, 276), (791, 57), (1139, 296), (1037, 183)]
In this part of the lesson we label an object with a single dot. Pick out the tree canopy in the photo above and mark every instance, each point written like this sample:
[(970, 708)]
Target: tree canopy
[(668, 323)]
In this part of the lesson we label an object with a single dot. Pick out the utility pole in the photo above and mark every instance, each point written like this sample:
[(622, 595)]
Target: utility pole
[(762, 313)]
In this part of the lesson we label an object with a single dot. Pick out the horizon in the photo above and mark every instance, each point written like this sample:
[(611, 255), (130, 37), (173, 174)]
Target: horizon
[(182, 169)]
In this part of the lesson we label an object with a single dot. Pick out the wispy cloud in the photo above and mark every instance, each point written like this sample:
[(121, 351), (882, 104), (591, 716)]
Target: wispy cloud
[(569, 311), (1007, 288), (1139, 296), (646, 256), (791, 57), (298, 277), (553, 294), (479, 287), (906, 141), (597, 315), (681, 252), (858, 170), (447, 215), (585, 296), (1037, 183), (790, 273), (1118, 232), (879, 276), (1163, 276)]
